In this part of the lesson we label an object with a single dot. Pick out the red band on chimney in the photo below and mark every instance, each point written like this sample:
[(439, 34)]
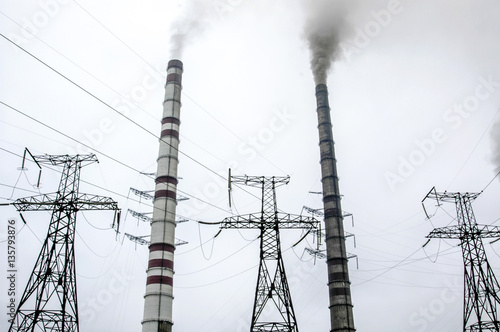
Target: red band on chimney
[(161, 263), (162, 247), (174, 78), (170, 132), (170, 119), (164, 280), (165, 193), (166, 179)]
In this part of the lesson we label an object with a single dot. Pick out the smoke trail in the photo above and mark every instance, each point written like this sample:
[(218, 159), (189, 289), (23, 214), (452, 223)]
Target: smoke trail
[(189, 25), (324, 29)]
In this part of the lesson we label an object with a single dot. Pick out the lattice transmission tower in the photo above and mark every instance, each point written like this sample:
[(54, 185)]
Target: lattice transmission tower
[(480, 284), (49, 302), (272, 292)]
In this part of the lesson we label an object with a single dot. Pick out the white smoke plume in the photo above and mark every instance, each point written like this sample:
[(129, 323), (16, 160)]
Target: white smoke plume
[(324, 29), (191, 23)]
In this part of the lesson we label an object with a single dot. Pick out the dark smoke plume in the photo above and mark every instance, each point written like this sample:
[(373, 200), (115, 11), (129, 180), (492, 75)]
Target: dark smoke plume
[(324, 29)]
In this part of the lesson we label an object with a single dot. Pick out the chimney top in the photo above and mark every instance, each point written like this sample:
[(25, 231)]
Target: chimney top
[(175, 63)]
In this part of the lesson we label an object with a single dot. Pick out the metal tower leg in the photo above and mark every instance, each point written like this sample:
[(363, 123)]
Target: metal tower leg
[(273, 309), (49, 302), (480, 283), (272, 283)]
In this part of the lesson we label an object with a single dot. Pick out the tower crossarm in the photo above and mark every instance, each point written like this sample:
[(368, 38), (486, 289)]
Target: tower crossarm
[(455, 232), (35, 203), (257, 181), (47, 202), (451, 232), (137, 239), (141, 216), (55, 160), (142, 241), (318, 212), (49, 302), (480, 284), (95, 202), (284, 221), (142, 193), (448, 197), (487, 231)]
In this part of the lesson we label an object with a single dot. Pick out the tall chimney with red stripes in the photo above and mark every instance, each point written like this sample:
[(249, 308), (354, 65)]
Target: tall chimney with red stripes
[(159, 285)]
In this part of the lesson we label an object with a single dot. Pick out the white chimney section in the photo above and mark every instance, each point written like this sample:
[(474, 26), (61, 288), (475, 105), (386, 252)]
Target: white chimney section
[(159, 285)]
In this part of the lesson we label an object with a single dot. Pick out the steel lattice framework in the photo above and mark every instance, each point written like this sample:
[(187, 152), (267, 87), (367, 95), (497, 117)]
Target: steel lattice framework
[(52, 284), (272, 287), (480, 283)]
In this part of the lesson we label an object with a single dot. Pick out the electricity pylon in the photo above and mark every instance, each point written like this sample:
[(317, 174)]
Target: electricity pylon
[(49, 302), (480, 283), (272, 287)]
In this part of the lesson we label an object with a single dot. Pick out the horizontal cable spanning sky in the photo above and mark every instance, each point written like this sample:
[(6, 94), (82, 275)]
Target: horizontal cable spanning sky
[(414, 91)]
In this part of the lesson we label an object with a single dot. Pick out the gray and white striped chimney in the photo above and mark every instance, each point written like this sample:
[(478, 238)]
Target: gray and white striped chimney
[(158, 298)]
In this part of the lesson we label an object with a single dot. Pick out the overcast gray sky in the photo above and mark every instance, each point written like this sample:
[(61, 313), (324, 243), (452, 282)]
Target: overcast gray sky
[(415, 97)]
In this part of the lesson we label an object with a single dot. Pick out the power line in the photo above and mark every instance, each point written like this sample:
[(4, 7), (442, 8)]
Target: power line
[(34, 133), (480, 283), (57, 257), (93, 226), (67, 136), (496, 175), (186, 95), (118, 112), (216, 263), (106, 155), (110, 88), (475, 147), (108, 30), (77, 65), (390, 268), (109, 106), (221, 280), (88, 247), (17, 233), (116, 160), (113, 109)]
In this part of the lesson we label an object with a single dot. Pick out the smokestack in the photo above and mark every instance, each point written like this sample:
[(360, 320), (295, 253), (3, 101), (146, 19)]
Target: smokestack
[(341, 315), (159, 285)]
